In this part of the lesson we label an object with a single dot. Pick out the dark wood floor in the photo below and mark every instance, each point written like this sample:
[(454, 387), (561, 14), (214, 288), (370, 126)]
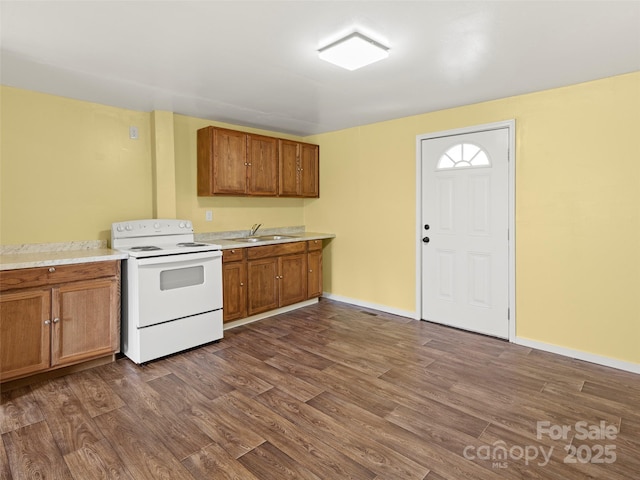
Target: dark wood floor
[(330, 391)]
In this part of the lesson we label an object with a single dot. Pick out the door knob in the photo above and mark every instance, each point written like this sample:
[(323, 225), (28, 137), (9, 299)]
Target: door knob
[(425, 239), (426, 227)]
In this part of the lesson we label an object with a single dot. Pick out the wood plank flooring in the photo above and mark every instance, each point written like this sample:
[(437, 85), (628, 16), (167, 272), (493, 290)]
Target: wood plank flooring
[(331, 391)]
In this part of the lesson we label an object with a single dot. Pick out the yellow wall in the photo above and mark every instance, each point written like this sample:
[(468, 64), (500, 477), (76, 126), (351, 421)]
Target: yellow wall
[(68, 168), (577, 211)]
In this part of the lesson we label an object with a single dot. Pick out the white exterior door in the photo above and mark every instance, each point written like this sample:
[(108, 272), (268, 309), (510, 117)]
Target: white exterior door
[(465, 221)]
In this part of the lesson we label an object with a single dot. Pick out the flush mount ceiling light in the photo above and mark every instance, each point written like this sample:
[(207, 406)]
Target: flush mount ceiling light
[(353, 51)]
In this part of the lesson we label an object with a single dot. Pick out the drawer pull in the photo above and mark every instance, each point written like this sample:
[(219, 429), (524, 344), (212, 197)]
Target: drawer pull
[(56, 320), (47, 322), (52, 269)]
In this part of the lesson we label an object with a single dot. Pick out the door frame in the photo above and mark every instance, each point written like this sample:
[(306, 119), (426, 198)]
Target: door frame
[(511, 166)]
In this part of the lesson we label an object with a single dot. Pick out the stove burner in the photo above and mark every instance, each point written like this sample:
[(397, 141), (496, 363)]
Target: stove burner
[(145, 248), (191, 244)]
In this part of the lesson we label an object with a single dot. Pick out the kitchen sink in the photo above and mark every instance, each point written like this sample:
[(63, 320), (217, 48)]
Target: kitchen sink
[(263, 238), (275, 237)]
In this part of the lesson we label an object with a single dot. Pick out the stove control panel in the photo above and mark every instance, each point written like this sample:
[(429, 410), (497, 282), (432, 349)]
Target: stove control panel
[(152, 227)]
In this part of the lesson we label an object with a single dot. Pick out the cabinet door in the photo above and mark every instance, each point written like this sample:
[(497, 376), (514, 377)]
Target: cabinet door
[(85, 322), (314, 278), (229, 162), (293, 279), (309, 174), (234, 291), (289, 169), (25, 339), (262, 161), (262, 277)]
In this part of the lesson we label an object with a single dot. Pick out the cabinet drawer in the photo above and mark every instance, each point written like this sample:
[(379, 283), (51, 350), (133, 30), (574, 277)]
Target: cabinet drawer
[(276, 250), (233, 255), (314, 245), (42, 276)]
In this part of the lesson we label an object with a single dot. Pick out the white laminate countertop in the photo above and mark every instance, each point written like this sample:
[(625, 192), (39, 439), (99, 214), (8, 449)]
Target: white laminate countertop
[(13, 257), (14, 261), (227, 244)]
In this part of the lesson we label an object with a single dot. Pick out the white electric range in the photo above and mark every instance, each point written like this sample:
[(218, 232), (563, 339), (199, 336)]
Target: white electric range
[(172, 288)]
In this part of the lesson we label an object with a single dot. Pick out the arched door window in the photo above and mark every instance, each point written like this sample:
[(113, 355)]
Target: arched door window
[(463, 155)]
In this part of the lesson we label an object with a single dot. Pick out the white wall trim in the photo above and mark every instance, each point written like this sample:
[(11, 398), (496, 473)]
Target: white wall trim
[(579, 355), (511, 126), (374, 306)]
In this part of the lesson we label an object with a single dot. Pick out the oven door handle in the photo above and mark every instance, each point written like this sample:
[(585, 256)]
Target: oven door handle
[(182, 257)]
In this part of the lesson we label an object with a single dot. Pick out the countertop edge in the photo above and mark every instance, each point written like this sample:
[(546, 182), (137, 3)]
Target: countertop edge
[(19, 261), (227, 244)]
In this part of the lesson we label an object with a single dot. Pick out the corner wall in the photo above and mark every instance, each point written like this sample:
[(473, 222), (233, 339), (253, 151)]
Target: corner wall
[(577, 211)]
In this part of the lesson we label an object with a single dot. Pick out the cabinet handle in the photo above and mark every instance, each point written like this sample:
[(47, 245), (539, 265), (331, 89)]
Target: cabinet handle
[(233, 251), (241, 284), (310, 271), (52, 269), (249, 164), (47, 322), (56, 320)]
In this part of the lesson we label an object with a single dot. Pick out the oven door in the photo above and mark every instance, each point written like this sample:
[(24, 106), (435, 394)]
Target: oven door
[(177, 286)]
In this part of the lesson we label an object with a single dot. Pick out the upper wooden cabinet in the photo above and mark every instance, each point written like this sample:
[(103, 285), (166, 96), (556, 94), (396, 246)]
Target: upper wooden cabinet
[(262, 165), (236, 163), (299, 169), (232, 162)]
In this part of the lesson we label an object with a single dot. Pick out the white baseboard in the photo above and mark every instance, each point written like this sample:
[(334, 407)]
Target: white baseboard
[(270, 313), (579, 355), (374, 306)]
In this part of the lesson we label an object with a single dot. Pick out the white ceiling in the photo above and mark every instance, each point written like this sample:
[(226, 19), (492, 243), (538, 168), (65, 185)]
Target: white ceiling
[(255, 63)]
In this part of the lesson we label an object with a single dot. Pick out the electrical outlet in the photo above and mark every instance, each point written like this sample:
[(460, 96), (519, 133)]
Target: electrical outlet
[(209, 215), (133, 132)]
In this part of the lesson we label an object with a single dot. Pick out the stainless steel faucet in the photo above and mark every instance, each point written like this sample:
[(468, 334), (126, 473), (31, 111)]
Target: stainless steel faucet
[(254, 229)]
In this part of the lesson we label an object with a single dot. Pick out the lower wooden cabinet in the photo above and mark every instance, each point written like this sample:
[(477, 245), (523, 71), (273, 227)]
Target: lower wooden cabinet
[(314, 275), (234, 284), (276, 282), (25, 333), (292, 281), (48, 320), (84, 325), (274, 276), (263, 280)]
